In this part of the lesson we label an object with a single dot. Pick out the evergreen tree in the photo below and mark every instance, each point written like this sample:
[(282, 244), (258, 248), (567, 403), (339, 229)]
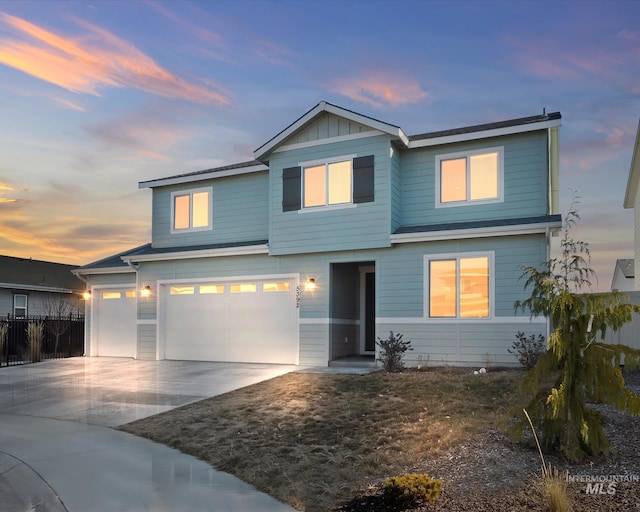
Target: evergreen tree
[(577, 368)]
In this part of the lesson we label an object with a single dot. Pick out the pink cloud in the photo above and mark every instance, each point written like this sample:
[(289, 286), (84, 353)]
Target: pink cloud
[(380, 90), (95, 61)]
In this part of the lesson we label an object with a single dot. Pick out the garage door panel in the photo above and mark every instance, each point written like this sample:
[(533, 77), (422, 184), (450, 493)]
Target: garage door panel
[(242, 324), (115, 318)]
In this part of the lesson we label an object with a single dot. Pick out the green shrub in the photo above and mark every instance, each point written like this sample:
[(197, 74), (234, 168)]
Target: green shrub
[(35, 332), (391, 352), (412, 489), (528, 349)]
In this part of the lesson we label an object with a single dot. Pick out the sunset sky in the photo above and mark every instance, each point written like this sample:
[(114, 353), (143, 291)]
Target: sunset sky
[(97, 96)]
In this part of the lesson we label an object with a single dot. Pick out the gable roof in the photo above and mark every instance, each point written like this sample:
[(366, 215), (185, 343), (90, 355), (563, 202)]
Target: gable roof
[(320, 108), (480, 131), (36, 275), (626, 266), (634, 173)]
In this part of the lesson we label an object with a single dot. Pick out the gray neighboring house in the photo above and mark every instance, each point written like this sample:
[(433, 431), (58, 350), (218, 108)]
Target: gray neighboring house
[(623, 275), (31, 287)]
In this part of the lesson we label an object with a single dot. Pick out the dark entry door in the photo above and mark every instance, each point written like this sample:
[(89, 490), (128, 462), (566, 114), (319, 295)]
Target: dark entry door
[(370, 312)]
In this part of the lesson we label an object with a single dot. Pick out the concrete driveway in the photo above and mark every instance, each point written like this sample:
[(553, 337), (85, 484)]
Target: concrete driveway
[(58, 452)]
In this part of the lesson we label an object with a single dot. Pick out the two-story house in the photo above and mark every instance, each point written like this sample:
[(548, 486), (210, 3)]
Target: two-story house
[(342, 229)]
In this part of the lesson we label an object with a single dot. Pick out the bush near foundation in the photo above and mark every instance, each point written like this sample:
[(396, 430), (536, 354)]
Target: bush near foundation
[(412, 489)]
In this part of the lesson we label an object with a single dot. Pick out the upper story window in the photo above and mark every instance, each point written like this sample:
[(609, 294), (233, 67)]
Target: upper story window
[(459, 286), (191, 210), (337, 181), (327, 183), (469, 177), (19, 306)]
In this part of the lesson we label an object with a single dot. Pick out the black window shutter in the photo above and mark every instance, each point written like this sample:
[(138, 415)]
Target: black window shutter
[(291, 187), (363, 179)]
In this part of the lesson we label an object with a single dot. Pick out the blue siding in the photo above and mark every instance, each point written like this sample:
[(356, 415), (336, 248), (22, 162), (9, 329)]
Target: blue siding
[(396, 190), (525, 182), (366, 225), (240, 211)]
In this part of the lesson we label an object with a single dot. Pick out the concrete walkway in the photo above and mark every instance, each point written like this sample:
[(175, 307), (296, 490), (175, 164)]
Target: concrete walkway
[(57, 451)]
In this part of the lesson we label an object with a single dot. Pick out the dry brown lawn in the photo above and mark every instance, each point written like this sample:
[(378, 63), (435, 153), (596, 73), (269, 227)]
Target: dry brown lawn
[(311, 440)]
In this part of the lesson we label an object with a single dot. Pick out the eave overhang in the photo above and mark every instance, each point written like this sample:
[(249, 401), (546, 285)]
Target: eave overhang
[(486, 229), (211, 174), (198, 253), (34, 288)]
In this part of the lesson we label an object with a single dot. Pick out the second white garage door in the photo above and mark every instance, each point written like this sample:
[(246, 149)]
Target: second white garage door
[(253, 321)]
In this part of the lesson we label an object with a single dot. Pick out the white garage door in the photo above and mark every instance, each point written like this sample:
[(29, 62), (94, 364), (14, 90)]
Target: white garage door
[(241, 321), (114, 322)]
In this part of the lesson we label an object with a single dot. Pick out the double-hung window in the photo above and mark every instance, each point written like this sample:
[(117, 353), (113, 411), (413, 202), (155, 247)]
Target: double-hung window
[(469, 177), (19, 306), (459, 286), (191, 210)]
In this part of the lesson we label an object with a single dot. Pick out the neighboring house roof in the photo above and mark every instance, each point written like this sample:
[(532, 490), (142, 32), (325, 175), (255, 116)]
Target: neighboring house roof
[(36, 275), (626, 267), (634, 174)]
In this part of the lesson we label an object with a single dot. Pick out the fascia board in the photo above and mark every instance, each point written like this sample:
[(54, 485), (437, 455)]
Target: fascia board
[(457, 234), (34, 288), (179, 180), (103, 270), (485, 134), (634, 174), (205, 253)]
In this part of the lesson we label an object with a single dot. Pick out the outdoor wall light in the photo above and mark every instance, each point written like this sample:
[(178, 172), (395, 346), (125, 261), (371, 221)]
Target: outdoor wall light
[(86, 295), (146, 291), (310, 285)]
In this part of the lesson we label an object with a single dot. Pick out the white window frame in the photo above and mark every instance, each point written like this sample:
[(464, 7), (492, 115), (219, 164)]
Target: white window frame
[(190, 229), (428, 258), (467, 155), (326, 162), (26, 305)]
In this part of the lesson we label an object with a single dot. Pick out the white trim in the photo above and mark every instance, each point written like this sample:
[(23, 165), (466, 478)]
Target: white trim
[(484, 134), (26, 305), (458, 256), (467, 155), (179, 180), (33, 288), (325, 162), (228, 279), (483, 321), (487, 232), (331, 160), (105, 270), (147, 321), (329, 140), (190, 193), (201, 253), (327, 207)]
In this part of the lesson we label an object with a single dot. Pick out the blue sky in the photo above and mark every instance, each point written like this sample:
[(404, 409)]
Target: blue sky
[(97, 96)]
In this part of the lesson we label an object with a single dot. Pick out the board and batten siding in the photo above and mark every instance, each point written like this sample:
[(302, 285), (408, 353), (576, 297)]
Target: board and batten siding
[(360, 226), (240, 206), (525, 182)]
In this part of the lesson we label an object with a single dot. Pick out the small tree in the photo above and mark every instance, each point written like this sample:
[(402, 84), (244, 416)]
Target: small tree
[(391, 352), (582, 368), (58, 313)]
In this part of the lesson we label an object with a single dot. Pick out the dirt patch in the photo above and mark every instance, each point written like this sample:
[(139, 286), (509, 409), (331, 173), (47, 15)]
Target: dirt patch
[(327, 442)]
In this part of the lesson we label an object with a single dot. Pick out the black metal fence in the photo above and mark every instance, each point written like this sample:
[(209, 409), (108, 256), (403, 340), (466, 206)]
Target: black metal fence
[(61, 337)]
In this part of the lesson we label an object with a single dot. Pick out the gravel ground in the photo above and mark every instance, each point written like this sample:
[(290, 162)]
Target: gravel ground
[(491, 473)]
